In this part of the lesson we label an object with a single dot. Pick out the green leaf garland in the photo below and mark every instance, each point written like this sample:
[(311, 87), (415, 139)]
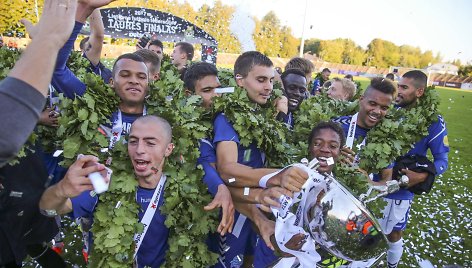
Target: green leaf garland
[(257, 124)]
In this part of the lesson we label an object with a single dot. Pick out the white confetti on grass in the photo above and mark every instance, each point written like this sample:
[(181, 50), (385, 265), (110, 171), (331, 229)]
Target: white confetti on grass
[(439, 229)]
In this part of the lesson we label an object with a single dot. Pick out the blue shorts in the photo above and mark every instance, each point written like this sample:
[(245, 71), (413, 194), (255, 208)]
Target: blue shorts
[(232, 247)]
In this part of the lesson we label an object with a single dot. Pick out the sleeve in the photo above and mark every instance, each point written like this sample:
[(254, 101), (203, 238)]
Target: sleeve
[(441, 163), (316, 85), (207, 156), (20, 106), (84, 205), (63, 80), (224, 130), (211, 178), (439, 145), (438, 142)]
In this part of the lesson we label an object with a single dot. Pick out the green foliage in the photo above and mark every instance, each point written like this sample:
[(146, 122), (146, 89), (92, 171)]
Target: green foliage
[(78, 64), (226, 77), (185, 194), (465, 70), (113, 244), (8, 57), (81, 118), (256, 124), (314, 110), (396, 134)]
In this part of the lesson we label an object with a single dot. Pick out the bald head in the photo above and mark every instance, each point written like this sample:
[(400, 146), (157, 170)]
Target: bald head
[(162, 125)]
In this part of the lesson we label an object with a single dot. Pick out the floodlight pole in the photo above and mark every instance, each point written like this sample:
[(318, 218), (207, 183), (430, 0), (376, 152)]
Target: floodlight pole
[(302, 45)]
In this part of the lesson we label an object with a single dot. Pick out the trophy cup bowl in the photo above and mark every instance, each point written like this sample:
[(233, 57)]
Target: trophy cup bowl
[(343, 226)]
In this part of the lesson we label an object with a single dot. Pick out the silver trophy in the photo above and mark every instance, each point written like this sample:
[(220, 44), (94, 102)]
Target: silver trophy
[(342, 227)]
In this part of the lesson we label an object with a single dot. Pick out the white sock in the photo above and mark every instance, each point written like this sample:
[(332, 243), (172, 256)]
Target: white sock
[(394, 253)]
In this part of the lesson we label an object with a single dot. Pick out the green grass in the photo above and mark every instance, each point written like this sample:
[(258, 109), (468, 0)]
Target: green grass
[(440, 225)]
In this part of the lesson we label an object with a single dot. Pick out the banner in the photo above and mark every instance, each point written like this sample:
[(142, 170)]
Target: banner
[(134, 22)]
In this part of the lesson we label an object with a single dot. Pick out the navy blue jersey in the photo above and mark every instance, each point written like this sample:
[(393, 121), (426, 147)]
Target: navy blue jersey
[(127, 120), (345, 121), (63, 80), (263, 255), (154, 245), (207, 157), (241, 241), (249, 156)]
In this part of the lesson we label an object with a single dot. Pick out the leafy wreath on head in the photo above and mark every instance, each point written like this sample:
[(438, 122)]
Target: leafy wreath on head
[(394, 136), (255, 123), (185, 194)]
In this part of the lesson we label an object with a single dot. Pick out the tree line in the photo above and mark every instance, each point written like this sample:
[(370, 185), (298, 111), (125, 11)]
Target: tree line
[(270, 36)]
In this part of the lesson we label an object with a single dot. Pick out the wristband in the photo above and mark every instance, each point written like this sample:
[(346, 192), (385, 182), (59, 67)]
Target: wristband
[(246, 191)]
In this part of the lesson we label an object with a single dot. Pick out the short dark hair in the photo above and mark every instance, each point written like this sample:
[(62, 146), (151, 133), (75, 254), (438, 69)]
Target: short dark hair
[(151, 57), (197, 71), (187, 48), (326, 70), (390, 76), (302, 64), (130, 56), (419, 78), (349, 76), (157, 43), (82, 43), (383, 85), (292, 71), (327, 125), (246, 61)]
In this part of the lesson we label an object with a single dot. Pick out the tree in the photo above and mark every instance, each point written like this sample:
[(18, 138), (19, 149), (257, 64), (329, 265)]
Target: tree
[(11, 11), (465, 70), (216, 21), (289, 43), (312, 46)]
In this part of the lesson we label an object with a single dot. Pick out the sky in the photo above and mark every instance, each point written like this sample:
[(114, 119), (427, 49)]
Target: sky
[(438, 25)]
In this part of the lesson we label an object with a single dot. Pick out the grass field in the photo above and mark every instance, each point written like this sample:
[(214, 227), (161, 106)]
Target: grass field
[(440, 228)]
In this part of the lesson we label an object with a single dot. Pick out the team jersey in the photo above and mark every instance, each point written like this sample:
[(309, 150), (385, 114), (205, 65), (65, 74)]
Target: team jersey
[(345, 121), (234, 246), (126, 119), (437, 142), (63, 80), (208, 156), (154, 245), (249, 156)]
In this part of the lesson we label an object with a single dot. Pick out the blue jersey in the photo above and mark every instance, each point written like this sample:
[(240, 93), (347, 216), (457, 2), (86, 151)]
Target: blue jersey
[(126, 119), (263, 255), (437, 142), (249, 156), (154, 245), (345, 121), (234, 246), (207, 157), (63, 80)]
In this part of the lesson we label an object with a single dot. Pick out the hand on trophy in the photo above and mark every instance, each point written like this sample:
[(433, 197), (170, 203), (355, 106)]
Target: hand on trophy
[(347, 156), (271, 196), (292, 178)]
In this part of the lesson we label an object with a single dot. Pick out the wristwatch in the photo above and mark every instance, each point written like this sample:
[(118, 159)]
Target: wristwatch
[(404, 180), (49, 212)]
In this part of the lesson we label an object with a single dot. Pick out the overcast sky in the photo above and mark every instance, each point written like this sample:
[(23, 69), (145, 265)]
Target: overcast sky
[(437, 25)]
